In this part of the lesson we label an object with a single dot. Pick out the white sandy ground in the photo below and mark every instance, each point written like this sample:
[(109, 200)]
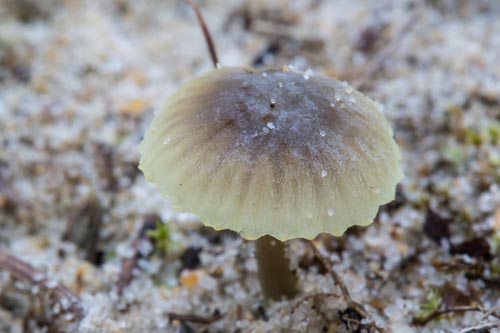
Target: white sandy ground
[(83, 77)]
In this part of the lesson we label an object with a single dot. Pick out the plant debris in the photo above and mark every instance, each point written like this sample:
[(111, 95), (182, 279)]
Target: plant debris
[(79, 82)]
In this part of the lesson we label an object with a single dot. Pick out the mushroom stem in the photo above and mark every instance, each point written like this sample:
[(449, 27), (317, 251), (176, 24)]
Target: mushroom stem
[(276, 278)]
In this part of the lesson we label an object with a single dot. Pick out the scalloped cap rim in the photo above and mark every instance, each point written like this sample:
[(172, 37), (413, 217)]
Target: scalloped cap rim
[(272, 152)]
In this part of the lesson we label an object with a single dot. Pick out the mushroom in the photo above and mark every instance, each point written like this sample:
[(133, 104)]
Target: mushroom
[(273, 152), (275, 155)]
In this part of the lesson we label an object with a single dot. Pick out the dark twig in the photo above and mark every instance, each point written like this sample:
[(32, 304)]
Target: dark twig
[(195, 318), (130, 264), (492, 312), (68, 301), (206, 32), (345, 292), (481, 328), (439, 312), (485, 327)]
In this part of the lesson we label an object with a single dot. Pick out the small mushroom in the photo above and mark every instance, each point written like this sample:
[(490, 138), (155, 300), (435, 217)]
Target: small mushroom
[(273, 155)]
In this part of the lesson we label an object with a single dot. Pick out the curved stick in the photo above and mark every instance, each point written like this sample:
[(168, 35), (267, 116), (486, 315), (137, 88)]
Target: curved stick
[(24, 271), (206, 32)]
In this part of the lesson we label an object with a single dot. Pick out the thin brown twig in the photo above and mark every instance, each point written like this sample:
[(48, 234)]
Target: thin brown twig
[(439, 312), (68, 301), (194, 318), (481, 328), (130, 264), (206, 32), (345, 292), (492, 312)]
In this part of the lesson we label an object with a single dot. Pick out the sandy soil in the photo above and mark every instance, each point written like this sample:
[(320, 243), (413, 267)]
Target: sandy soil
[(79, 81)]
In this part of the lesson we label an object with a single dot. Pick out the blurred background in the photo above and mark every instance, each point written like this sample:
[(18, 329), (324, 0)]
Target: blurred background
[(79, 82)]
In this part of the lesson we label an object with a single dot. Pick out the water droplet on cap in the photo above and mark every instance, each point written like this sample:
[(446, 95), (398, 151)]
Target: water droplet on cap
[(322, 133), (323, 173), (330, 212), (308, 73), (374, 189)]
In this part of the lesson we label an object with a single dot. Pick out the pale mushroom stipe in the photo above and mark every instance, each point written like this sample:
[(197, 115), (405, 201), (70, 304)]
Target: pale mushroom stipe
[(273, 154)]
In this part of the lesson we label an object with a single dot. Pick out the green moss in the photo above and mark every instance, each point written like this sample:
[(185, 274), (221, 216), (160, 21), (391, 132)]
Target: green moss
[(434, 302), (493, 132), (456, 155), (495, 268), (472, 136), (161, 236), (494, 158), (110, 255), (496, 241)]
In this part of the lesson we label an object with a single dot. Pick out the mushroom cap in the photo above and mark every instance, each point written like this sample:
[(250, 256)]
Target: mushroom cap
[(272, 152)]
